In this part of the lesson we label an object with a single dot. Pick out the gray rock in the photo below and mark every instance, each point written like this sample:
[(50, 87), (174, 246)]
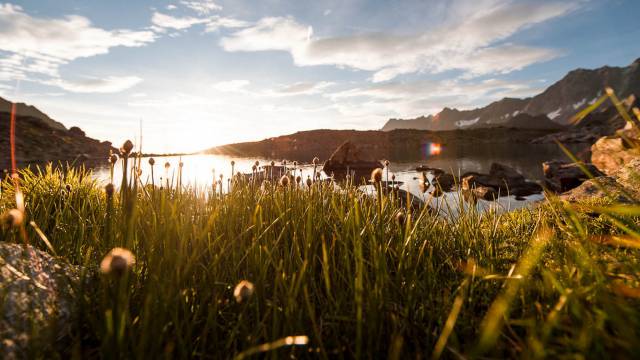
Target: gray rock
[(36, 299), (623, 187), (349, 159), (562, 176)]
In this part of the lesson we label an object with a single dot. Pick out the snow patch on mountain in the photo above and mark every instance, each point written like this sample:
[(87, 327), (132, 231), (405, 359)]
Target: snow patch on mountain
[(579, 104), (554, 114), (466, 123)]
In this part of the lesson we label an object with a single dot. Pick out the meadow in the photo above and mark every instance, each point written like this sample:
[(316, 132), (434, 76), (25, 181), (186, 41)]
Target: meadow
[(312, 271)]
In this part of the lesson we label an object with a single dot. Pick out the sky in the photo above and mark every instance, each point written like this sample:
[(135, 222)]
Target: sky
[(193, 74)]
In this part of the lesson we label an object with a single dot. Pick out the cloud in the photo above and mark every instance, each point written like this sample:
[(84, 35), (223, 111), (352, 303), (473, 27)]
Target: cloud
[(171, 22), (161, 22), (301, 88), (34, 48), (42, 44), (271, 33), (231, 85), (216, 22), (202, 7), (421, 89), (472, 43), (110, 84)]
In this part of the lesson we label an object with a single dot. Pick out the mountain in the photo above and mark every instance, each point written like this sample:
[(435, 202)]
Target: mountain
[(39, 139), (557, 103), (23, 109)]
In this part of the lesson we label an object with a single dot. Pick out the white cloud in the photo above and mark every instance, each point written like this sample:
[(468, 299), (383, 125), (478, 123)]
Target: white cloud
[(110, 84), (44, 44), (472, 44), (34, 48), (427, 89), (202, 7), (271, 33), (171, 7), (161, 22), (178, 23), (216, 22), (231, 85), (301, 88)]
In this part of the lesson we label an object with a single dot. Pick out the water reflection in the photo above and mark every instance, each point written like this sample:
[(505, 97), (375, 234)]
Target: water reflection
[(202, 170)]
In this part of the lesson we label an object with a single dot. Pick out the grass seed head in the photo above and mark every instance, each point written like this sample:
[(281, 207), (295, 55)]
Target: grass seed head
[(243, 291), (309, 182), (152, 161), (284, 181), (117, 262), (386, 163), (109, 189), (376, 175), (400, 218), (315, 161), (393, 177), (298, 179), (167, 165), (273, 163), (233, 163), (126, 148), (12, 218), (113, 158)]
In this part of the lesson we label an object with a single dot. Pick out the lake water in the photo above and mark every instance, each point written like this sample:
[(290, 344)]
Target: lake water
[(201, 170)]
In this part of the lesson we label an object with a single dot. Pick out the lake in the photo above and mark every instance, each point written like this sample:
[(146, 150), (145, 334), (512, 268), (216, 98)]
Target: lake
[(200, 170)]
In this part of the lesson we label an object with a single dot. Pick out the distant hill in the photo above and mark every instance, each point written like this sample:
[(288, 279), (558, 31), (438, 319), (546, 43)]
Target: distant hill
[(39, 139), (398, 144), (23, 109), (557, 103)]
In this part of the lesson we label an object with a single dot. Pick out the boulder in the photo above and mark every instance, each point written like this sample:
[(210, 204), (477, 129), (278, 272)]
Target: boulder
[(443, 181), (485, 193), (506, 174), (502, 180), (562, 176), (603, 187), (35, 298), (348, 158), (622, 187), (610, 153)]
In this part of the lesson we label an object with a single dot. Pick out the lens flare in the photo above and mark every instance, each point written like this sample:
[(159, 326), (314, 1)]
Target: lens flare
[(435, 149)]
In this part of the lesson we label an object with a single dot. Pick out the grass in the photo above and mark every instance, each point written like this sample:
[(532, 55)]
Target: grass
[(313, 271), (336, 267)]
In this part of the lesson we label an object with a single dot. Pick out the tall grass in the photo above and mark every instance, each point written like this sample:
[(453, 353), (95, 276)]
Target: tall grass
[(336, 266)]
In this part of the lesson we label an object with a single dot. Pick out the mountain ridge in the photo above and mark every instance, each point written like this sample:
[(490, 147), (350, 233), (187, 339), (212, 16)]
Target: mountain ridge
[(558, 103)]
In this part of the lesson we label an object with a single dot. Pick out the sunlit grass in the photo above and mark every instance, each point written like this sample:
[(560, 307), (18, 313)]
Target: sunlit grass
[(339, 267)]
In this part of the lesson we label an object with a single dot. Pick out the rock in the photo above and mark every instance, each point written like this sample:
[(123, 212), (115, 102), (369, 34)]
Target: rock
[(562, 176), (347, 158), (506, 174), (622, 187), (485, 193), (593, 189), (35, 298), (444, 181), (426, 168), (629, 177), (525, 189), (502, 180), (500, 177), (610, 153)]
